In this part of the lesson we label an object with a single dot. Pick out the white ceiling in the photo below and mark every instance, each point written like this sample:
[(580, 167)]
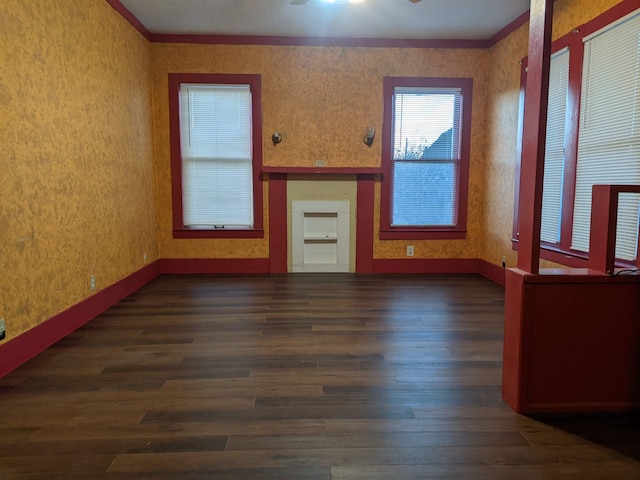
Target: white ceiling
[(396, 19)]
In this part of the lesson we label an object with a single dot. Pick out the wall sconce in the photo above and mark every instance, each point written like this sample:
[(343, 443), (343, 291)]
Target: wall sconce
[(276, 138), (368, 137)]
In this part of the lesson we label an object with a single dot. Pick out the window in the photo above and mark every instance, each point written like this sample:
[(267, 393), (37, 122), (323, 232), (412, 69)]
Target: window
[(609, 138), (216, 150), (554, 147), (597, 144), (427, 123)]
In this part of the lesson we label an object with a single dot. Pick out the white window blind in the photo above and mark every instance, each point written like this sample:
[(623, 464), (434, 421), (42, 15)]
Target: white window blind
[(426, 156), (554, 147), (216, 147), (609, 135)]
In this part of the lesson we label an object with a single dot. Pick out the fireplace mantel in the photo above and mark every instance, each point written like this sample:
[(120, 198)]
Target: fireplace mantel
[(324, 170)]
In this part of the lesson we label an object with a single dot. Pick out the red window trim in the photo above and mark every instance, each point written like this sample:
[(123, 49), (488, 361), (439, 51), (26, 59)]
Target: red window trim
[(459, 231), (562, 252), (255, 82)]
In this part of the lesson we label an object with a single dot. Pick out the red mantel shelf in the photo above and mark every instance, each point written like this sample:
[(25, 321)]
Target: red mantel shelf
[(326, 170)]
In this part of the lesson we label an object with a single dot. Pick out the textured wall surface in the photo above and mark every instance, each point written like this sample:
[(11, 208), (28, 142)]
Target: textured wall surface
[(78, 178), (321, 99), (502, 131)]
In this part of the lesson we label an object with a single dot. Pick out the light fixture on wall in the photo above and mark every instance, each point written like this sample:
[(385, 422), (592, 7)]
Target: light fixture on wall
[(368, 137), (276, 138)]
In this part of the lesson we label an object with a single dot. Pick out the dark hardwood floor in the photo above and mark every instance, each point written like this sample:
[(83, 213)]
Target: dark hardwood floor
[(300, 377)]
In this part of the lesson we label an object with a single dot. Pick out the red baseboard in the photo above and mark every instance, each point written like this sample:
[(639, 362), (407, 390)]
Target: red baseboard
[(488, 270), (24, 347), (492, 272), (426, 265), (214, 265)]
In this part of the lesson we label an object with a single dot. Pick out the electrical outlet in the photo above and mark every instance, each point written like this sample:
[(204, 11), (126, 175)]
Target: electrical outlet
[(144, 257), (2, 330), (409, 250), (92, 282), (319, 163), (504, 262)]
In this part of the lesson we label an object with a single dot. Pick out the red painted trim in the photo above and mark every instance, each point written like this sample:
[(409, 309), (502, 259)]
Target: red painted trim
[(460, 229), (222, 233), (176, 156), (129, 17), (570, 258), (555, 254), (318, 41), (509, 29), (278, 236), (515, 229), (516, 199), (534, 134), (214, 265), (22, 348), (614, 13), (492, 272), (512, 384), (426, 265), (255, 82), (364, 228), (563, 276), (576, 59), (278, 204), (324, 170), (604, 218)]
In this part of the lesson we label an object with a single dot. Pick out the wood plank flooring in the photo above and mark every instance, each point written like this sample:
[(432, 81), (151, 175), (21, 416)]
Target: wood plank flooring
[(300, 377)]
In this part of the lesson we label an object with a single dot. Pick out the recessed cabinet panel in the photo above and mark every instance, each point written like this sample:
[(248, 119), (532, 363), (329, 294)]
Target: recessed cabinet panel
[(320, 236), (320, 253), (320, 226)]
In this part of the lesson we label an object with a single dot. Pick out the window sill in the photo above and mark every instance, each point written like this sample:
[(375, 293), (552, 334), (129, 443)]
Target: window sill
[(557, 255), (228, 233), (422, 234), (567, 258)]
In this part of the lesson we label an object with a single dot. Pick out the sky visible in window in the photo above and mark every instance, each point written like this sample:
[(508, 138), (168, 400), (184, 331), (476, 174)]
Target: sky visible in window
[(420, 119)]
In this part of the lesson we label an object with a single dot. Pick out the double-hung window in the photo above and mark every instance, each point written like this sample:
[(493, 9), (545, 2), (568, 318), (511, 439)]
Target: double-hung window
[(216, 155), (595, 71), (609, 135), (554, 147), (425, 157)]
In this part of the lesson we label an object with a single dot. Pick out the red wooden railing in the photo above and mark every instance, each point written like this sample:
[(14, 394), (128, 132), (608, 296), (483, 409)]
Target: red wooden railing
[(604, 217)]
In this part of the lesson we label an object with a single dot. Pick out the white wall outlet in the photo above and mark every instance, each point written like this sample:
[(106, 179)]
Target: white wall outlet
[(92, 282), (409, 250), (319, 163), (2, 330), (144, 257)]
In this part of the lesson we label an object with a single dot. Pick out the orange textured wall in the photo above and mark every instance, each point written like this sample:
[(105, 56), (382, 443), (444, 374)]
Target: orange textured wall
[(78, 179), (321, 99), (502, 125)]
